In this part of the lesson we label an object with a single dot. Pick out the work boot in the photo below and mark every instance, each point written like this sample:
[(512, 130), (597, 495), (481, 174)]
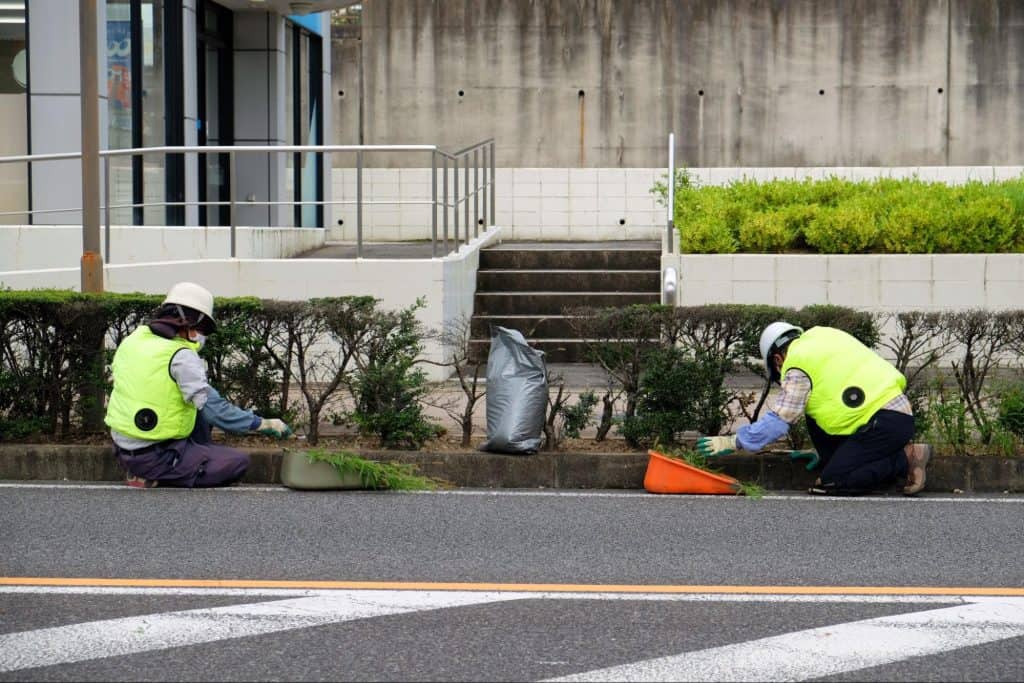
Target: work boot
[(140, 483), (918, 455)]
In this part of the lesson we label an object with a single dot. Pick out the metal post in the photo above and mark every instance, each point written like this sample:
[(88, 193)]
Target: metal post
[(444, 201), (106, 204), (359, 204), (494, 181), (669, 235), (433, 206), (92, 259), (466, 173), (233, 196), (476, 193), (483, 201), (455, 197)]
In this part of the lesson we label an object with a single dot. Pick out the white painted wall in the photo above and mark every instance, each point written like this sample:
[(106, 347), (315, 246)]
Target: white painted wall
[(24, 247), (576, 204), (876, 282), (447, 283)]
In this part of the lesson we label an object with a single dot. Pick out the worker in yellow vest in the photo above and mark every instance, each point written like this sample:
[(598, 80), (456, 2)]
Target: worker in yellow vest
[(162, 408), (858, 417)]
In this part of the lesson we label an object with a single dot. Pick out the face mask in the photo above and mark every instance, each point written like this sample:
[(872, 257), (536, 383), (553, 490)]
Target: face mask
[(197, 338)]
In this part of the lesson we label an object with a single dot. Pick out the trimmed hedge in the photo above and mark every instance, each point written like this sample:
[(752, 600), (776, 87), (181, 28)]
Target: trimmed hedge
[(56, 347), (836, 216)]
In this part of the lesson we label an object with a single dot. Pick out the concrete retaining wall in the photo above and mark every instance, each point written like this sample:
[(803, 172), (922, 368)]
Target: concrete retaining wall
[(29, 247), (890, 282), (599, 83), (576, 204), (447, 283)]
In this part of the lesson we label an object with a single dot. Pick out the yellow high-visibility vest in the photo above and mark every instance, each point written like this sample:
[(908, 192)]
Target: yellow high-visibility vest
[(146, 402), (849, 381)]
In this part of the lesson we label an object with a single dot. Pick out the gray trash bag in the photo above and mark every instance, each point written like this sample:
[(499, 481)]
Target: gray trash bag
[(517, 394)]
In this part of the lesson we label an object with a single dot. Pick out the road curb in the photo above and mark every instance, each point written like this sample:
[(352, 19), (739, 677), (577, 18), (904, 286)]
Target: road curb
[(774, 472)]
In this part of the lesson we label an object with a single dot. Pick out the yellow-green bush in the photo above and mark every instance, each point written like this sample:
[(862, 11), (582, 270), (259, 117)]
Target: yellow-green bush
[(836, 216)]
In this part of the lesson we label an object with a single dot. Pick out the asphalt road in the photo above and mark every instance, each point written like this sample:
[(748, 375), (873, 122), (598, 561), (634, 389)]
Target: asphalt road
[(636, 586)]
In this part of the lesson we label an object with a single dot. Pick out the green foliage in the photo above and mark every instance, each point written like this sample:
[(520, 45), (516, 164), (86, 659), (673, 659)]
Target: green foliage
[(578, 416), (387, 386), (860, 324), (949, 422), (1010, 408), (836, 216), (678, 392), (375, 475), (695, 459)]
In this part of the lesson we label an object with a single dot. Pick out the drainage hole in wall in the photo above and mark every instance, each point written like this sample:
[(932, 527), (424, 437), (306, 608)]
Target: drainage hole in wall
[(940, 91), (341, 221), (821, 92), (341, 93), (700, 93), (622, 221), (461, 93), (479, 221), (581, 93)]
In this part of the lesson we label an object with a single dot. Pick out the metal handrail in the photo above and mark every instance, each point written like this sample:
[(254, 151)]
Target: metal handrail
[(483, 163)]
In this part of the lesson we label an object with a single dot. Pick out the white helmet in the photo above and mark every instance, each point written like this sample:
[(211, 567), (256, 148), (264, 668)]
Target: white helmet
[(194, 296), (775, 335)]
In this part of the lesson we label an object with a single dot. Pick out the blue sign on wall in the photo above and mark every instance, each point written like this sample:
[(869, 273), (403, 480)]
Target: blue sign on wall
[(310, 22)]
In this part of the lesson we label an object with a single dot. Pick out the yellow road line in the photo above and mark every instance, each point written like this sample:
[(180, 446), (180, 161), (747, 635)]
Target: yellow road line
[(513, 587)]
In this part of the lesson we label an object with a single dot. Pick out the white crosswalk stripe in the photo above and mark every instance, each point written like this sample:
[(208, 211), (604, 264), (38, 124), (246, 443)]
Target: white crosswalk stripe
[(831, 650), (799, 655)]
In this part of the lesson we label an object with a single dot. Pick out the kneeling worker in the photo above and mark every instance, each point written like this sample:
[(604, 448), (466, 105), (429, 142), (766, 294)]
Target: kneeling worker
[(858, 417), (162, 408)]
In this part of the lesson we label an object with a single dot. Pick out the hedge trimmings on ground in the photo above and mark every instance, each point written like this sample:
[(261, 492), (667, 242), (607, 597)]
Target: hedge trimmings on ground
[(836, 216)]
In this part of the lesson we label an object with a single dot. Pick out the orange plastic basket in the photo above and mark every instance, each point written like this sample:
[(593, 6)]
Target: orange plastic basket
[(668, 475)]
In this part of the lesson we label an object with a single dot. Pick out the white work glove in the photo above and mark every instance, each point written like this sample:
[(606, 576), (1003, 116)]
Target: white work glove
[(714, 446), (274, 427)]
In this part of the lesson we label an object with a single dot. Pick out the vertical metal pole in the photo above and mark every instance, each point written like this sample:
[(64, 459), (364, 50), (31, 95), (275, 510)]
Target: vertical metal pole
[(494, 181), (233, 195), (670, 231), (106, 204), (359, 204), (476, 193), (92, 259), (483, 201), (455, 199), (433, 205), (444, 201), (466, 181)]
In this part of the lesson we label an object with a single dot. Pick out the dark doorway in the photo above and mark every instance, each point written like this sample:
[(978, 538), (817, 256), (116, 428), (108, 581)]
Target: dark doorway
[(215, 114)]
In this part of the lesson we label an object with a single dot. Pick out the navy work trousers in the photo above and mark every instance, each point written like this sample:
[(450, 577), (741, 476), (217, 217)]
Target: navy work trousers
[(869, 458), (192, 462)]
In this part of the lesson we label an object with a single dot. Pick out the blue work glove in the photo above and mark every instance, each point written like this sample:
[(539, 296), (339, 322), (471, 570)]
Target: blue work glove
[(811, 456), (714, 446), (274, 427)]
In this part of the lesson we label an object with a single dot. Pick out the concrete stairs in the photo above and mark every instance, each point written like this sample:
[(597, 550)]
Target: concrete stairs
[(528, 287)]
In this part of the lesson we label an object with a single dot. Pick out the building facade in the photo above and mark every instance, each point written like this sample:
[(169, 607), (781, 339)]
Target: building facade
[(172, 73)]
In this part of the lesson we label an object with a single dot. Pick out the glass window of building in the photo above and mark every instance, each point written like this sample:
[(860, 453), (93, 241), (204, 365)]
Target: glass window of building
[(135, 101), (304, 122), (13, 113)]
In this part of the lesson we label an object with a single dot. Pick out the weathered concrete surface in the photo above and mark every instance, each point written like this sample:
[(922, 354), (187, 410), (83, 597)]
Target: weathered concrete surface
[(600, 83), (22, 462)]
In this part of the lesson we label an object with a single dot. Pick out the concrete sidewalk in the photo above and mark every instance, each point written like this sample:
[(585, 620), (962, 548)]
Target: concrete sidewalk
[(560, 470)]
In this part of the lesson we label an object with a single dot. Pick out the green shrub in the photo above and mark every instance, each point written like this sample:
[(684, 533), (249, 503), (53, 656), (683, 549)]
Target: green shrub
[(678, 392), (1010, 407), (836, 216), (847, 229), (386, 385), (773, 231)]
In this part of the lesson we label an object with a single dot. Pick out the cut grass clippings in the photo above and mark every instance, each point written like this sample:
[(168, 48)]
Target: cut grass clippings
[(376, 475), (695, 459)]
